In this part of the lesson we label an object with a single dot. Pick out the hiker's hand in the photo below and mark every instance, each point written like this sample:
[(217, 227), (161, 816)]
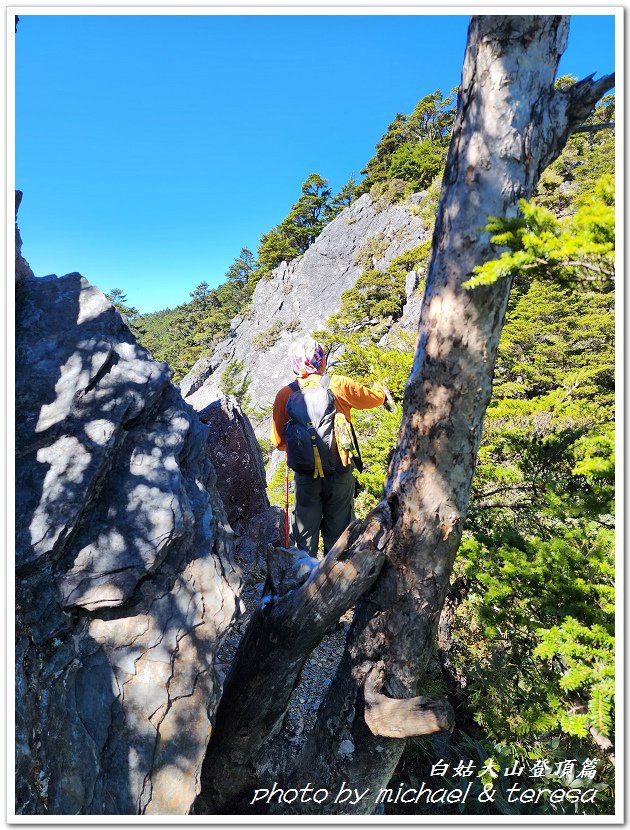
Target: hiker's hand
[(389, 402)]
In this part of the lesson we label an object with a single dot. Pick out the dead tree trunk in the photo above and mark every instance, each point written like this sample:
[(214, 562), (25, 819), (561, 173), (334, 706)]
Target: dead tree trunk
[(303, 598), (511, 123)]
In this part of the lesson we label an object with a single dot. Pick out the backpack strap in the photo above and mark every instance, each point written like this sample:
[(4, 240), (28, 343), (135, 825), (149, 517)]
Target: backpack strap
[(318, 472), (358, 461)]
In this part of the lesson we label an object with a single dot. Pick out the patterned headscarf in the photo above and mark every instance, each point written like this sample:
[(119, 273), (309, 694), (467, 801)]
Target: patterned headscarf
[(306, 357)]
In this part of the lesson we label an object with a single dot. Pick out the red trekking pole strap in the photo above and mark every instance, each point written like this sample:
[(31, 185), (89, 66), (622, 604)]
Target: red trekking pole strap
[(286, 502)]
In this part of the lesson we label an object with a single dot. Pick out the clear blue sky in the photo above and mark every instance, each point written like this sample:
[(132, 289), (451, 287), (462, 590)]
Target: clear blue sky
[(151, 149)]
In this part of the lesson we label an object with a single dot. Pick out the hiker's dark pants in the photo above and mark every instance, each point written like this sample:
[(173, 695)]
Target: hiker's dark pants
[(322, 504)]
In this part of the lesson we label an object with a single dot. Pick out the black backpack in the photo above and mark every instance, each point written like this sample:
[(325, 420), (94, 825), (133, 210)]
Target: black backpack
[(311, 426)]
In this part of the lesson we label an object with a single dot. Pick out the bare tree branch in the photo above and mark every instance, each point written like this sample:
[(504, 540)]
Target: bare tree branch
[(405, 717), (283, 630)]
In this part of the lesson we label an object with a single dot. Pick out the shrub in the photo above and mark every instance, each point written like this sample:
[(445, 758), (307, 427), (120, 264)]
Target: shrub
[(235, 381), (269, 337), (373, 250)]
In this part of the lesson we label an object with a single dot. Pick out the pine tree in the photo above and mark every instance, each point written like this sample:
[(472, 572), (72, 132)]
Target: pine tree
[(414, 147), (345, 197), (305, 221), (130, 314)]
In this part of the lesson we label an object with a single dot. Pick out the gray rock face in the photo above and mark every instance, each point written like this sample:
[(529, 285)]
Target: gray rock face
[(22, 268), (407, 326), (124, 580), (298, 298)]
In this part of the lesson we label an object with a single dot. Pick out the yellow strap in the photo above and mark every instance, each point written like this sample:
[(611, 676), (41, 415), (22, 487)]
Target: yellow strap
[(319, 471)]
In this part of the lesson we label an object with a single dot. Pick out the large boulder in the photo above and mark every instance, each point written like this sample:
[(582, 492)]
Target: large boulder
[(124, 579), (298, 298), (238, 461)]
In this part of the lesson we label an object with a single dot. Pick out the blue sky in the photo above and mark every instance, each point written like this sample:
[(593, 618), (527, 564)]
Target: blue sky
[(152, 148)]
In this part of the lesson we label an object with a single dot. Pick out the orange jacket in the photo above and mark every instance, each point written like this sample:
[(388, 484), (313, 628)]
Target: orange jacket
[(348, 394)]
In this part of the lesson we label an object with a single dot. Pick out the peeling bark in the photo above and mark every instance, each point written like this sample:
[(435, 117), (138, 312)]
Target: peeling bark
[(453, 679)]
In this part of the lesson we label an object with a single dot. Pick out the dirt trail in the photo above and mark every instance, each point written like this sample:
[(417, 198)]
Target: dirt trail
[(318, 670)]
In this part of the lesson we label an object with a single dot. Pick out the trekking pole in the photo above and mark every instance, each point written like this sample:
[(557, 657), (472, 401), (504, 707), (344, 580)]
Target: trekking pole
[(286, 501)]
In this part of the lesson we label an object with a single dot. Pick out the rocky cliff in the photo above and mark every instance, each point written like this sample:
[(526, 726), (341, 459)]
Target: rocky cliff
[(298, 298), (22, 268), (127, 499), (125, 585)]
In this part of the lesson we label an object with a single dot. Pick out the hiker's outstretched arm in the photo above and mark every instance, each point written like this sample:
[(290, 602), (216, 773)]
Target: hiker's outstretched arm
[(356, 395)]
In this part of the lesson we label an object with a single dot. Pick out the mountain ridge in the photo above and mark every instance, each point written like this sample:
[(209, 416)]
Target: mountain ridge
[(300, 296)]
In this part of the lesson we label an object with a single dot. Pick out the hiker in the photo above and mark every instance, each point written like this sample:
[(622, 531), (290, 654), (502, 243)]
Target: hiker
[(322, 461)]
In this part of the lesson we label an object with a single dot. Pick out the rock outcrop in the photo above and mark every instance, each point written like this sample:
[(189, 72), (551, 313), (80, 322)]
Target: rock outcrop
[(242, 484), (22, 268), (127, 503), (407, 324), (237, 459), (299, 297), (125, 585)]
